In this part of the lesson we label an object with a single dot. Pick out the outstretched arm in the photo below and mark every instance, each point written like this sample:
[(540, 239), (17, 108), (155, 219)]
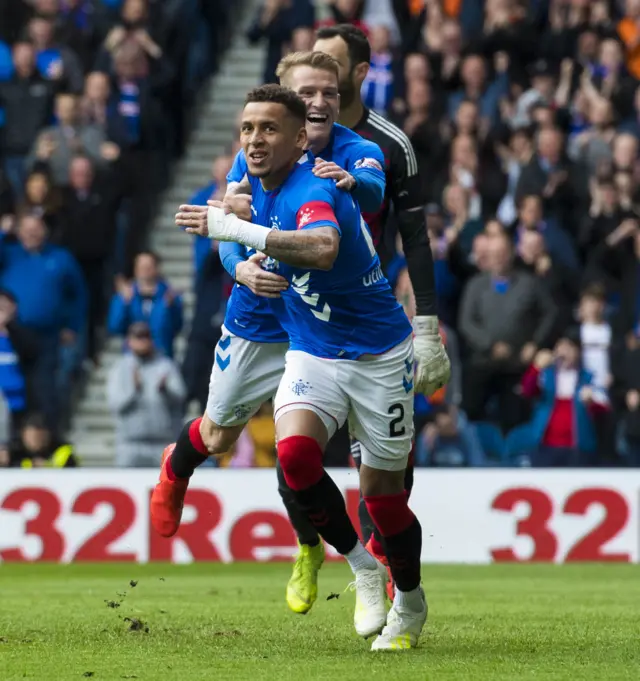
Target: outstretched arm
[(315, 248)]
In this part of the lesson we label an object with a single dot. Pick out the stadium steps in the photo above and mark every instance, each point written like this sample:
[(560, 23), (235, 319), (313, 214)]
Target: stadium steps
[(221, 99)]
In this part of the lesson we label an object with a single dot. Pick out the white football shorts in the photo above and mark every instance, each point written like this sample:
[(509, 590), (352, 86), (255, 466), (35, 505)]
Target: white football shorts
[(374, 394), (244, 376)]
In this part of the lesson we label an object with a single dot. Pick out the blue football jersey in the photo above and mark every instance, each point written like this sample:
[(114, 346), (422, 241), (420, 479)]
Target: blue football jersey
[(252, 317), (345, 312)]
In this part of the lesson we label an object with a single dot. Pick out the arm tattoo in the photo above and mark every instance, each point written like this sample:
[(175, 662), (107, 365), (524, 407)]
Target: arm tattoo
[(314, 248)]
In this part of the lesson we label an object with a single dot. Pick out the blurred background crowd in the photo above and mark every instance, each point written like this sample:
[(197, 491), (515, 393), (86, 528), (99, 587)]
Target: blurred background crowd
[(96, 97), (525, 118)]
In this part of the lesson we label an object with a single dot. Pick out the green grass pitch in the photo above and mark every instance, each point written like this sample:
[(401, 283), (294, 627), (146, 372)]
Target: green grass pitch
[(211, 621)]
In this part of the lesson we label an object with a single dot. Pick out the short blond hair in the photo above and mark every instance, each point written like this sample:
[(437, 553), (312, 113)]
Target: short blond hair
[(316, 60)]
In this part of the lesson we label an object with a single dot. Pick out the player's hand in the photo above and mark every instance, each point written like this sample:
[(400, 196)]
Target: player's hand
[(329, 169), (259, 281), (239, 204), (501, 350), (193, 219), (432, 363)]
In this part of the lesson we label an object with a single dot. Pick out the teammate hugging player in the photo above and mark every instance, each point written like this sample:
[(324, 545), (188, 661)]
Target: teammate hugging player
[(354, 168), (350, 356)]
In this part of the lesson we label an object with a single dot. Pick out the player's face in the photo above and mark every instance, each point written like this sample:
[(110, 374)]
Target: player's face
[(337, 48), (271, 138), (319, 91)]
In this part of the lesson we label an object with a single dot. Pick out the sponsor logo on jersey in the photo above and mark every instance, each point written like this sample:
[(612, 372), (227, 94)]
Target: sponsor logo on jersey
[(373, 277), (368, 163)]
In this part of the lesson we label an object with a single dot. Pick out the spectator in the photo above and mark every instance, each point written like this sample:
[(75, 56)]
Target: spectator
[(562, 429), (556, 240), (377, 88), (276, 20), (56, 63), (551, 175), (625, 390), (42, 198), (630, 34), (18, 350), (38, 447), (26, 100), (137, 124), (558, 281), (477, 88), (29, 266), (595, 335), (146, 394), (95, 100), (148, 298), (505, 317), (55, 146), (90, 200)]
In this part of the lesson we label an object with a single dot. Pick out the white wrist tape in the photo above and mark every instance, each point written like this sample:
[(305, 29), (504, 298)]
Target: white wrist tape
[(231, 228), (426, 326)]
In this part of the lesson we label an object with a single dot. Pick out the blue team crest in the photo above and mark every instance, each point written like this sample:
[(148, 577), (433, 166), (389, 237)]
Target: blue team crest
[(300, 387)]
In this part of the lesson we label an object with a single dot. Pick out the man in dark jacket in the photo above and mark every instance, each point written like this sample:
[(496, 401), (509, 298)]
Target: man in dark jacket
[(90, 200), (506, 315), (27, 100)]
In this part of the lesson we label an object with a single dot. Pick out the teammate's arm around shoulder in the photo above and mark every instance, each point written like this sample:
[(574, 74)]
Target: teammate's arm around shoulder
[(368, 172)]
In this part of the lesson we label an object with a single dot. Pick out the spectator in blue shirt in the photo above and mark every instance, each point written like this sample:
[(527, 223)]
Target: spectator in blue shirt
[(52, 301), (149, 298)]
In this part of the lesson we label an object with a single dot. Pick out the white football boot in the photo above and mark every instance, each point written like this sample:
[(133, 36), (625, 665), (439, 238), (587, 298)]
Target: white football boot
[(403, 627), (370, 613)]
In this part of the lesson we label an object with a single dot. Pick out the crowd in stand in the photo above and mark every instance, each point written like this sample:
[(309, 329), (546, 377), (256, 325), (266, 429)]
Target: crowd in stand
[(525, 118), (95, 102)]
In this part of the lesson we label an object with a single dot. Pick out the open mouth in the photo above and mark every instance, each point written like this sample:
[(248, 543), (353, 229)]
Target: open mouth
[(258, 156), (317, 118)]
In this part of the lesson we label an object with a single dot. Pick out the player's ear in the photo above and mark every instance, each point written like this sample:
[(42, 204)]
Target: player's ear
[(301, 140), (361, 71)]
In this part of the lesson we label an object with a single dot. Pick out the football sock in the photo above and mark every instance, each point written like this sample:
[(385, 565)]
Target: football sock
[(301, 524), (316, 494), (402, 537), (360, 559), (189, 451), (409, 600), (367, 526)]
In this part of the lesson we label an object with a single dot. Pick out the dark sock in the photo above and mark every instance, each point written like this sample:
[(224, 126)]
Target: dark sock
[(189, 451), (301, 524), (367, 525), (403, 554), (324, 505)]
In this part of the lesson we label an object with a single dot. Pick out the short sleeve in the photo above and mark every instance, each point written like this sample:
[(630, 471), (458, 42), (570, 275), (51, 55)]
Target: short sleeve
[(316, 207), (239, 168)]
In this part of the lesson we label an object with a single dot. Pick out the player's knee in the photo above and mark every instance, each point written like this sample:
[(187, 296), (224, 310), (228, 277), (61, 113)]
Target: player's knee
[(390, 513), (216, 439), (301, 461)]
